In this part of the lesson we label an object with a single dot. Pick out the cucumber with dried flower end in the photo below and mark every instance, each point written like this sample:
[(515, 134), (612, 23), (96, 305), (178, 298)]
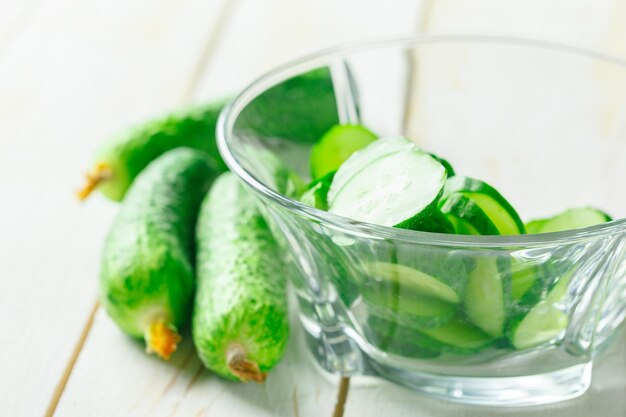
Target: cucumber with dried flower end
[(491, 202), (146, 280), (239, 321), (123, 157)]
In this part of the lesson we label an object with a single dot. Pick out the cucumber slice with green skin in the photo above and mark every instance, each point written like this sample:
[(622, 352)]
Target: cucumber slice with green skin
[(316, 194), (501, 213), (467, 215), (447, 165), (399, 189), (568, 220), (336, 146), (240, 327), (363, 158), (391, 337), (523, 279), (488, 295), (413, 281), (545, 322), (146, 278)]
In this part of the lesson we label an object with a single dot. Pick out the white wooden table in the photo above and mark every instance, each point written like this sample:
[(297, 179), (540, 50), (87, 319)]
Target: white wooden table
[(74, 71)]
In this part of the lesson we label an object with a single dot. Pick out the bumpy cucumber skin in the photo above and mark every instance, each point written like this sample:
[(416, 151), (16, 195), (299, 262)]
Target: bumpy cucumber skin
[(131, 151), (147, 264), (241, 293), (300, 109)]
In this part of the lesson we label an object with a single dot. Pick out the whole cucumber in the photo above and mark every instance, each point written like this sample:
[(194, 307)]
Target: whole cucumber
[(285, 110), (147, 278), (240, 326), (123, 157)]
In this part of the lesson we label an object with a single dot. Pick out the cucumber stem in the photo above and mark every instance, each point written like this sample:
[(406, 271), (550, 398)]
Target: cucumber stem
[(162, 339), (101, 172), (243, 368)]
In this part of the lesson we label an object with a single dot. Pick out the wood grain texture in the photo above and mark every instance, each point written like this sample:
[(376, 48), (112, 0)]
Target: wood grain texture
[(76, 73), (113, 376)]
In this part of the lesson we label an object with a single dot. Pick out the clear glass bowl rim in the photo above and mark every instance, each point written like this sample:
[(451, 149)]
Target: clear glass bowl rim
[(232, 110)]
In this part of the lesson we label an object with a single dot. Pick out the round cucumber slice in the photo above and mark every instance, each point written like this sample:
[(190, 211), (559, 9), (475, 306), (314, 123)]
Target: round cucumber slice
[(570, 219), (414, 281), (337, 144), (393, 338), (467, 215), (454, 337), (487, 296), (398, 189), (363, 158), (499, 210)]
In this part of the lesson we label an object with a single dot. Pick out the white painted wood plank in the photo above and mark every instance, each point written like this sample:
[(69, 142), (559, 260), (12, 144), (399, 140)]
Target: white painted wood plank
[(113, 376), (76, 73), (265, 34)]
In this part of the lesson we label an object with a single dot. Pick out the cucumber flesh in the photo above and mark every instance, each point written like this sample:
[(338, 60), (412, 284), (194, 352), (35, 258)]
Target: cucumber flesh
[(456, 337), (399, 189), (545, 322), (499, 210), (316, 194), (336, 145), (571, 219), (468, 215), (484, 297), (413, 280), (363, 158)]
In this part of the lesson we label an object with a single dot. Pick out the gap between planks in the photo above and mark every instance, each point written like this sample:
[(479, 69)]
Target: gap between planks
[(225, 12)]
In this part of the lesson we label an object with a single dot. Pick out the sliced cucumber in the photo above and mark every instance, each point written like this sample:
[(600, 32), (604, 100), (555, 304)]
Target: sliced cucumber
[(337, 144), (363, 158), (501, 213), (391, 337), (398, 189), (545, 322), (447, 165), (523, 277), (414, 281), (316, 194), (488, 296), (571, 219), (467, 215), (455, 337)]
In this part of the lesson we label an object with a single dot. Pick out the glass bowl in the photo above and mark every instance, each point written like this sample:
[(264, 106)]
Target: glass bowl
[(542, 122)]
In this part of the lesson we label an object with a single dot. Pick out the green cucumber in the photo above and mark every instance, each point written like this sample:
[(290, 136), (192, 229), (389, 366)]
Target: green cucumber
[(337, 144), (299, 109), (466, 215), (501, 213), (413, 280), (488, 295), (544, 322), (316, 194), (146, 279), (391, 337), (395, 185), (124, 156), (447, 165), (240, 324), (570, 219)]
